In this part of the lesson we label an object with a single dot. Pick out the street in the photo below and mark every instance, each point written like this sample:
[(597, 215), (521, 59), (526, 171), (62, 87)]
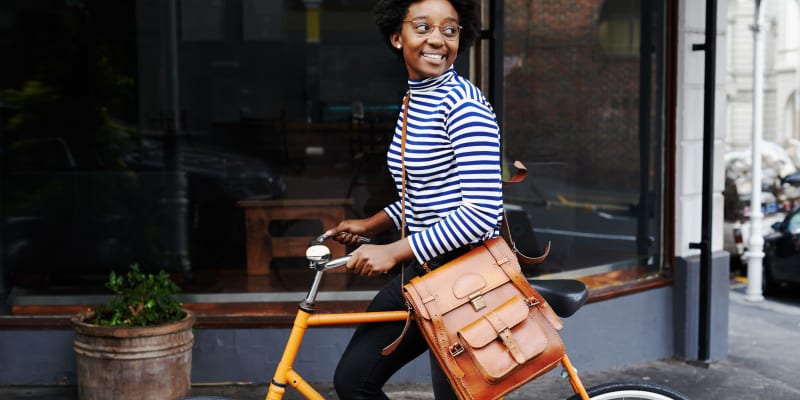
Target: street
[(756, 339)]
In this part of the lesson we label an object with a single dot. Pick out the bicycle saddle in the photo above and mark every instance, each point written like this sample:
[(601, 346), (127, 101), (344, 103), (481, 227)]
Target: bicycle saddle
[(565, 296)]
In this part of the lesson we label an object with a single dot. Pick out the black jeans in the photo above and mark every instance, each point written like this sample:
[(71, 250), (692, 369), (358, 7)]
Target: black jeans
[(362, 370)]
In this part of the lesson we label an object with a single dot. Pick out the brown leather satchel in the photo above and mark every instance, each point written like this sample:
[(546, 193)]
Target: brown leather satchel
[(489, 329)]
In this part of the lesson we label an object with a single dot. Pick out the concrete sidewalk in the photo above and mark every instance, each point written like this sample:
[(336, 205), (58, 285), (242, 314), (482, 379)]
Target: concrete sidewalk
[(763, 361)]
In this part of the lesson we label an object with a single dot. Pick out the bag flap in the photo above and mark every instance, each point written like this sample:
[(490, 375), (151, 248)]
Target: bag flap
[(468, 284), (482, 332), (449, 285)]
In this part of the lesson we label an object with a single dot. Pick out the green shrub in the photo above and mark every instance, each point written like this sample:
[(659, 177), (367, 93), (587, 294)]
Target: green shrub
[(140, 299)]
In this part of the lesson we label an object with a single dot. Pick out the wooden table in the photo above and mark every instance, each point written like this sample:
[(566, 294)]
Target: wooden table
[(262, 247)]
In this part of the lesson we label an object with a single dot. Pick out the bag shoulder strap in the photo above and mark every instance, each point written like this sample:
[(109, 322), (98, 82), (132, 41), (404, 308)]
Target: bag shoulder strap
[(505, 230), (390, 348)]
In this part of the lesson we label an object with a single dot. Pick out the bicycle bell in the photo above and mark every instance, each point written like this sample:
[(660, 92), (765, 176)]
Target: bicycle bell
[(318, 254)]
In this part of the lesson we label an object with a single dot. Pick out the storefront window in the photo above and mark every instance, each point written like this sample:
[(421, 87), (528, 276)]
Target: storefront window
[(589, 128), (212, 139)]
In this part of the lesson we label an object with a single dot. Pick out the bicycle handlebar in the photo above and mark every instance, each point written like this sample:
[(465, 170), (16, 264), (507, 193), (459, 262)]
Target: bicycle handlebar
[(336, 263), (319, 255), (322, 238)]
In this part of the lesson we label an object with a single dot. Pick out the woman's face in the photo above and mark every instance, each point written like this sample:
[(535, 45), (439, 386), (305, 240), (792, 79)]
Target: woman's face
[(429, 54)]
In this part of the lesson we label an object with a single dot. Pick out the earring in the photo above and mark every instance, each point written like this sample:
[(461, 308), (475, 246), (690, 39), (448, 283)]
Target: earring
[(399, 46)]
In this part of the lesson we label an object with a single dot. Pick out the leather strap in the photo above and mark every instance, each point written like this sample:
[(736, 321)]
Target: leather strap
[(403, 167), (503, 331), (440, 332), (521, 283), (393, 346), (515, 276), (505, 230)]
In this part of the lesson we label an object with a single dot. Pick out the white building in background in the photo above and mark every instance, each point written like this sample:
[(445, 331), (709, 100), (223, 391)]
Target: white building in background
[(781, 104)]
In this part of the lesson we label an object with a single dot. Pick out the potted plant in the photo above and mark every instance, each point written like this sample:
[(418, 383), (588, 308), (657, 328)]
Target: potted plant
[(138, 344)]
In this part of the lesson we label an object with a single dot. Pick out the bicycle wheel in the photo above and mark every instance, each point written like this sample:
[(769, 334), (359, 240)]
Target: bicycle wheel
[(632, 391)]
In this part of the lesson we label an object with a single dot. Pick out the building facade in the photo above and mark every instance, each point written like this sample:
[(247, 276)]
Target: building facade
[(781, 82), (201, 137)]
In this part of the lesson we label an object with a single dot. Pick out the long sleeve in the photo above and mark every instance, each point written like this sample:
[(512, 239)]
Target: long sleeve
[(452, 161)]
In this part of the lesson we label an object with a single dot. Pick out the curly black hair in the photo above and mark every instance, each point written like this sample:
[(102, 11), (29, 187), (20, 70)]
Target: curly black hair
[(389, 16)]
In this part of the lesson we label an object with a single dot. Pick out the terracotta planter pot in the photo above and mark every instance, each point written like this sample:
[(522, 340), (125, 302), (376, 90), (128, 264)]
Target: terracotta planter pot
[(150, 362)]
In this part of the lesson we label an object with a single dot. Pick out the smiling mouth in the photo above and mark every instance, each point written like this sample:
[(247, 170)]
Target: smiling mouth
[(433, 57)]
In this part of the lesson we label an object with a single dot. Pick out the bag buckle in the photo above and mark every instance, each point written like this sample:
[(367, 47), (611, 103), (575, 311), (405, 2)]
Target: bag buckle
[(456, 349), (532, 302), (477, 301)]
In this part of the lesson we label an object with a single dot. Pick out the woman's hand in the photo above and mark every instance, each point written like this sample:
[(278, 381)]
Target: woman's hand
[(371, 260), (349, 231), (368, 259)]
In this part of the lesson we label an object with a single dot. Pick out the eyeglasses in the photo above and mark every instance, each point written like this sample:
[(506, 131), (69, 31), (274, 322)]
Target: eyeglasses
[(449, 31)]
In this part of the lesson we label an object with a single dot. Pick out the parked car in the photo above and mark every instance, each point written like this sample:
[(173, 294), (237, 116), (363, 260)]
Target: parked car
[(782, 253), (780, 191)]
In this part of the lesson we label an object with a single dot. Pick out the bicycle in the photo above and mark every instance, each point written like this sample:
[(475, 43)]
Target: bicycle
[(564, 295)]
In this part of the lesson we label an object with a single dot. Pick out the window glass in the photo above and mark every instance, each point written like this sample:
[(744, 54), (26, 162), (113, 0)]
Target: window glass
[(588, 127), (213, 139)]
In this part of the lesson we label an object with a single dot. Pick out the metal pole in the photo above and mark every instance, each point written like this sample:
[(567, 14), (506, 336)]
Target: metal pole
[(645, 102), (704, 347), (709, 87), (755, 249)]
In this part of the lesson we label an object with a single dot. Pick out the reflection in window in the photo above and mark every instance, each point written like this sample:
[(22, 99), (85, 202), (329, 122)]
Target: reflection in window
[(589, 135), (619, 26)]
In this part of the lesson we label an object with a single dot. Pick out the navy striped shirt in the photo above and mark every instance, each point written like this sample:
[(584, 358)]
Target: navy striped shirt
[(452, 160)]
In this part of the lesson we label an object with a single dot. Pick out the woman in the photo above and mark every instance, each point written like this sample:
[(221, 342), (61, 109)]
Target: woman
[(453, 187)]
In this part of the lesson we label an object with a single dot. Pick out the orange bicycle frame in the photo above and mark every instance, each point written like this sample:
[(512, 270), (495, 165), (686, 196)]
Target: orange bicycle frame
[(285, 375)]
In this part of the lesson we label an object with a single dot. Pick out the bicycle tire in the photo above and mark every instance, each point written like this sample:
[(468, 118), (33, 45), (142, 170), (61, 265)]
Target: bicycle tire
[(632, 391)]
